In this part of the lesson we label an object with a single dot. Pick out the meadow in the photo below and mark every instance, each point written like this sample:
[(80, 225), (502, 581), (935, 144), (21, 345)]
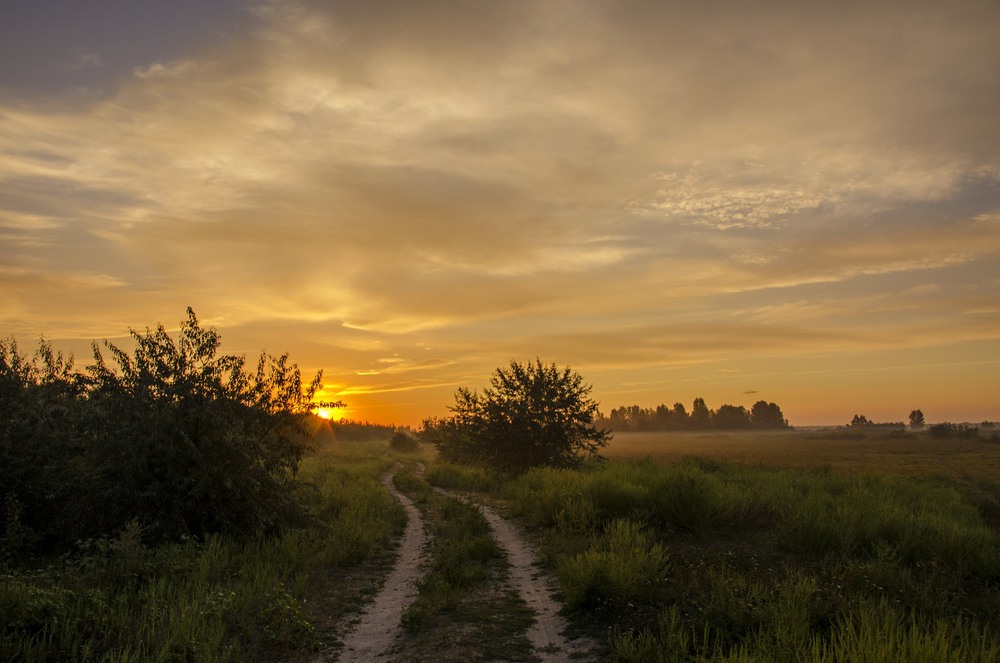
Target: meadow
[(842, 449), (814, 546), (215, 599), (802, 545)]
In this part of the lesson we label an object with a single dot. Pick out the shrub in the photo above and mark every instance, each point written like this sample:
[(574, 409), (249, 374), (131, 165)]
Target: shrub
[(403, 442), (947, 430), (176, 436), (532, 415), (625, 567), (686, 498)]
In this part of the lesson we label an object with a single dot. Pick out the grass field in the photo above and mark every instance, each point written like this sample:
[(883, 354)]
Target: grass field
[(804, 545), (839, 449), (813, 546), (219, 599)]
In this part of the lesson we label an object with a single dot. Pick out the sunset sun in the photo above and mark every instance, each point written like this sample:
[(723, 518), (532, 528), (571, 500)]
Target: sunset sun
[(331, 414)]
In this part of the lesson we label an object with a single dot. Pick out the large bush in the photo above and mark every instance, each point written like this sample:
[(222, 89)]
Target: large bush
[(176, 436), (532, 415)]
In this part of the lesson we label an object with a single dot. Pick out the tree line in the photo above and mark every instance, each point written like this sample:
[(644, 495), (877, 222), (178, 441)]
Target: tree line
[(762, 415), (175, 437)]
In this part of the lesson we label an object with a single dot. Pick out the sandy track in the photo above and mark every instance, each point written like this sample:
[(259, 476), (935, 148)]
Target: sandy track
[(546, 634), (379, 628)]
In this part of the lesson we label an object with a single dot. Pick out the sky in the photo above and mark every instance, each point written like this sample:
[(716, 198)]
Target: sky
[(796, 202)]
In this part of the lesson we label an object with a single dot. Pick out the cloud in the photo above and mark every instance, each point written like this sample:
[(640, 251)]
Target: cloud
[(623, 184)]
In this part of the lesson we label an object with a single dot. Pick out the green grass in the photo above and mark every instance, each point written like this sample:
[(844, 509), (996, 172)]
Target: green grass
[(708, 560), (464, 610), (220, 599), (458, 477), (690, 559)]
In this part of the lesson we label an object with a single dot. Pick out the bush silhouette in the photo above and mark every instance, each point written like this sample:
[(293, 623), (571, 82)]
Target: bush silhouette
[(532, 414), (175, 437)]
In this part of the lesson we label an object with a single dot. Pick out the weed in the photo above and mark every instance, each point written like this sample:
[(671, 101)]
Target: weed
[(463, 599), (624, 568), (769, 563), (219, 599)]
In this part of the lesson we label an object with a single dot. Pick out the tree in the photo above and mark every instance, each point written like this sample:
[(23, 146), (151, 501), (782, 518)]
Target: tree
[(916, 419), (199, 443), (731, 417), (532, 414), (41, 484), (700, 414), (767, 415), (860, 420)]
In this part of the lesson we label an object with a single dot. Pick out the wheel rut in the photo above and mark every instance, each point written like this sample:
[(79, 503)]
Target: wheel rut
[(379, 628), (378, 631), (546, 635)]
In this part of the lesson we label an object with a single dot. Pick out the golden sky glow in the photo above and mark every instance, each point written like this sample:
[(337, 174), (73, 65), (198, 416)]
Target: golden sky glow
[(792, 201)]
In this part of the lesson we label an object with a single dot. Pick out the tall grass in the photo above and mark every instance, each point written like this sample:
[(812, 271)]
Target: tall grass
[(625, 567), (874, 633), (460, 477), (923, 520), (703, 560), (213, 601), (462, 556), (220, 599)]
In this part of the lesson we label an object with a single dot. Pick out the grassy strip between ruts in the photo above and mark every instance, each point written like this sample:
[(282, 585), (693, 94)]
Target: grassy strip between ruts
[(465, 610), (711, 561)]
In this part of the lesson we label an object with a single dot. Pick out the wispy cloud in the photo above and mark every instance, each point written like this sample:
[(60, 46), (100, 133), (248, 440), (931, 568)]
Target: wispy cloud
[(86, 61)]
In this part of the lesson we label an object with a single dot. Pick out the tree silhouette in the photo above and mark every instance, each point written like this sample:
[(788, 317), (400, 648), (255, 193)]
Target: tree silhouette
[(767, 415), (731, 417), (700, 414), (532, 414), (175, 436)]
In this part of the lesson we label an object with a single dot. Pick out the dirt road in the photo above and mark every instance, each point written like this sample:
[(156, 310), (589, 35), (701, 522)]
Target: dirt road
[(378, 631), (546, 635), (379, 628)]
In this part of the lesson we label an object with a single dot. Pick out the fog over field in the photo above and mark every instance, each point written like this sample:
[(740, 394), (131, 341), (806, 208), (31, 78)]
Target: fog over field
[(737, 201)]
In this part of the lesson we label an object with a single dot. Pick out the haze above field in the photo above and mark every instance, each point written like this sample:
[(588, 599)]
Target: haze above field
[(796, 202)]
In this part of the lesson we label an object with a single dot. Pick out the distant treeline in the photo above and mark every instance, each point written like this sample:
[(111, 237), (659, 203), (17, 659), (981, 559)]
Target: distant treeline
[(325, 433), (348, 429), (762, 415)]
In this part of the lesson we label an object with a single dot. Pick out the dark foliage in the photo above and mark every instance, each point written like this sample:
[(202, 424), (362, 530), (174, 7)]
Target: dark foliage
[(861, 421), (767, 415), (956, 431), (357, 431), (532, 415), (762, 416), (176, 437), (403, 441), (731, 417)]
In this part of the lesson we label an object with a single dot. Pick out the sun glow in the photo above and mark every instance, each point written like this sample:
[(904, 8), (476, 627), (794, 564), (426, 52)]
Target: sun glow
[(332, 414)]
